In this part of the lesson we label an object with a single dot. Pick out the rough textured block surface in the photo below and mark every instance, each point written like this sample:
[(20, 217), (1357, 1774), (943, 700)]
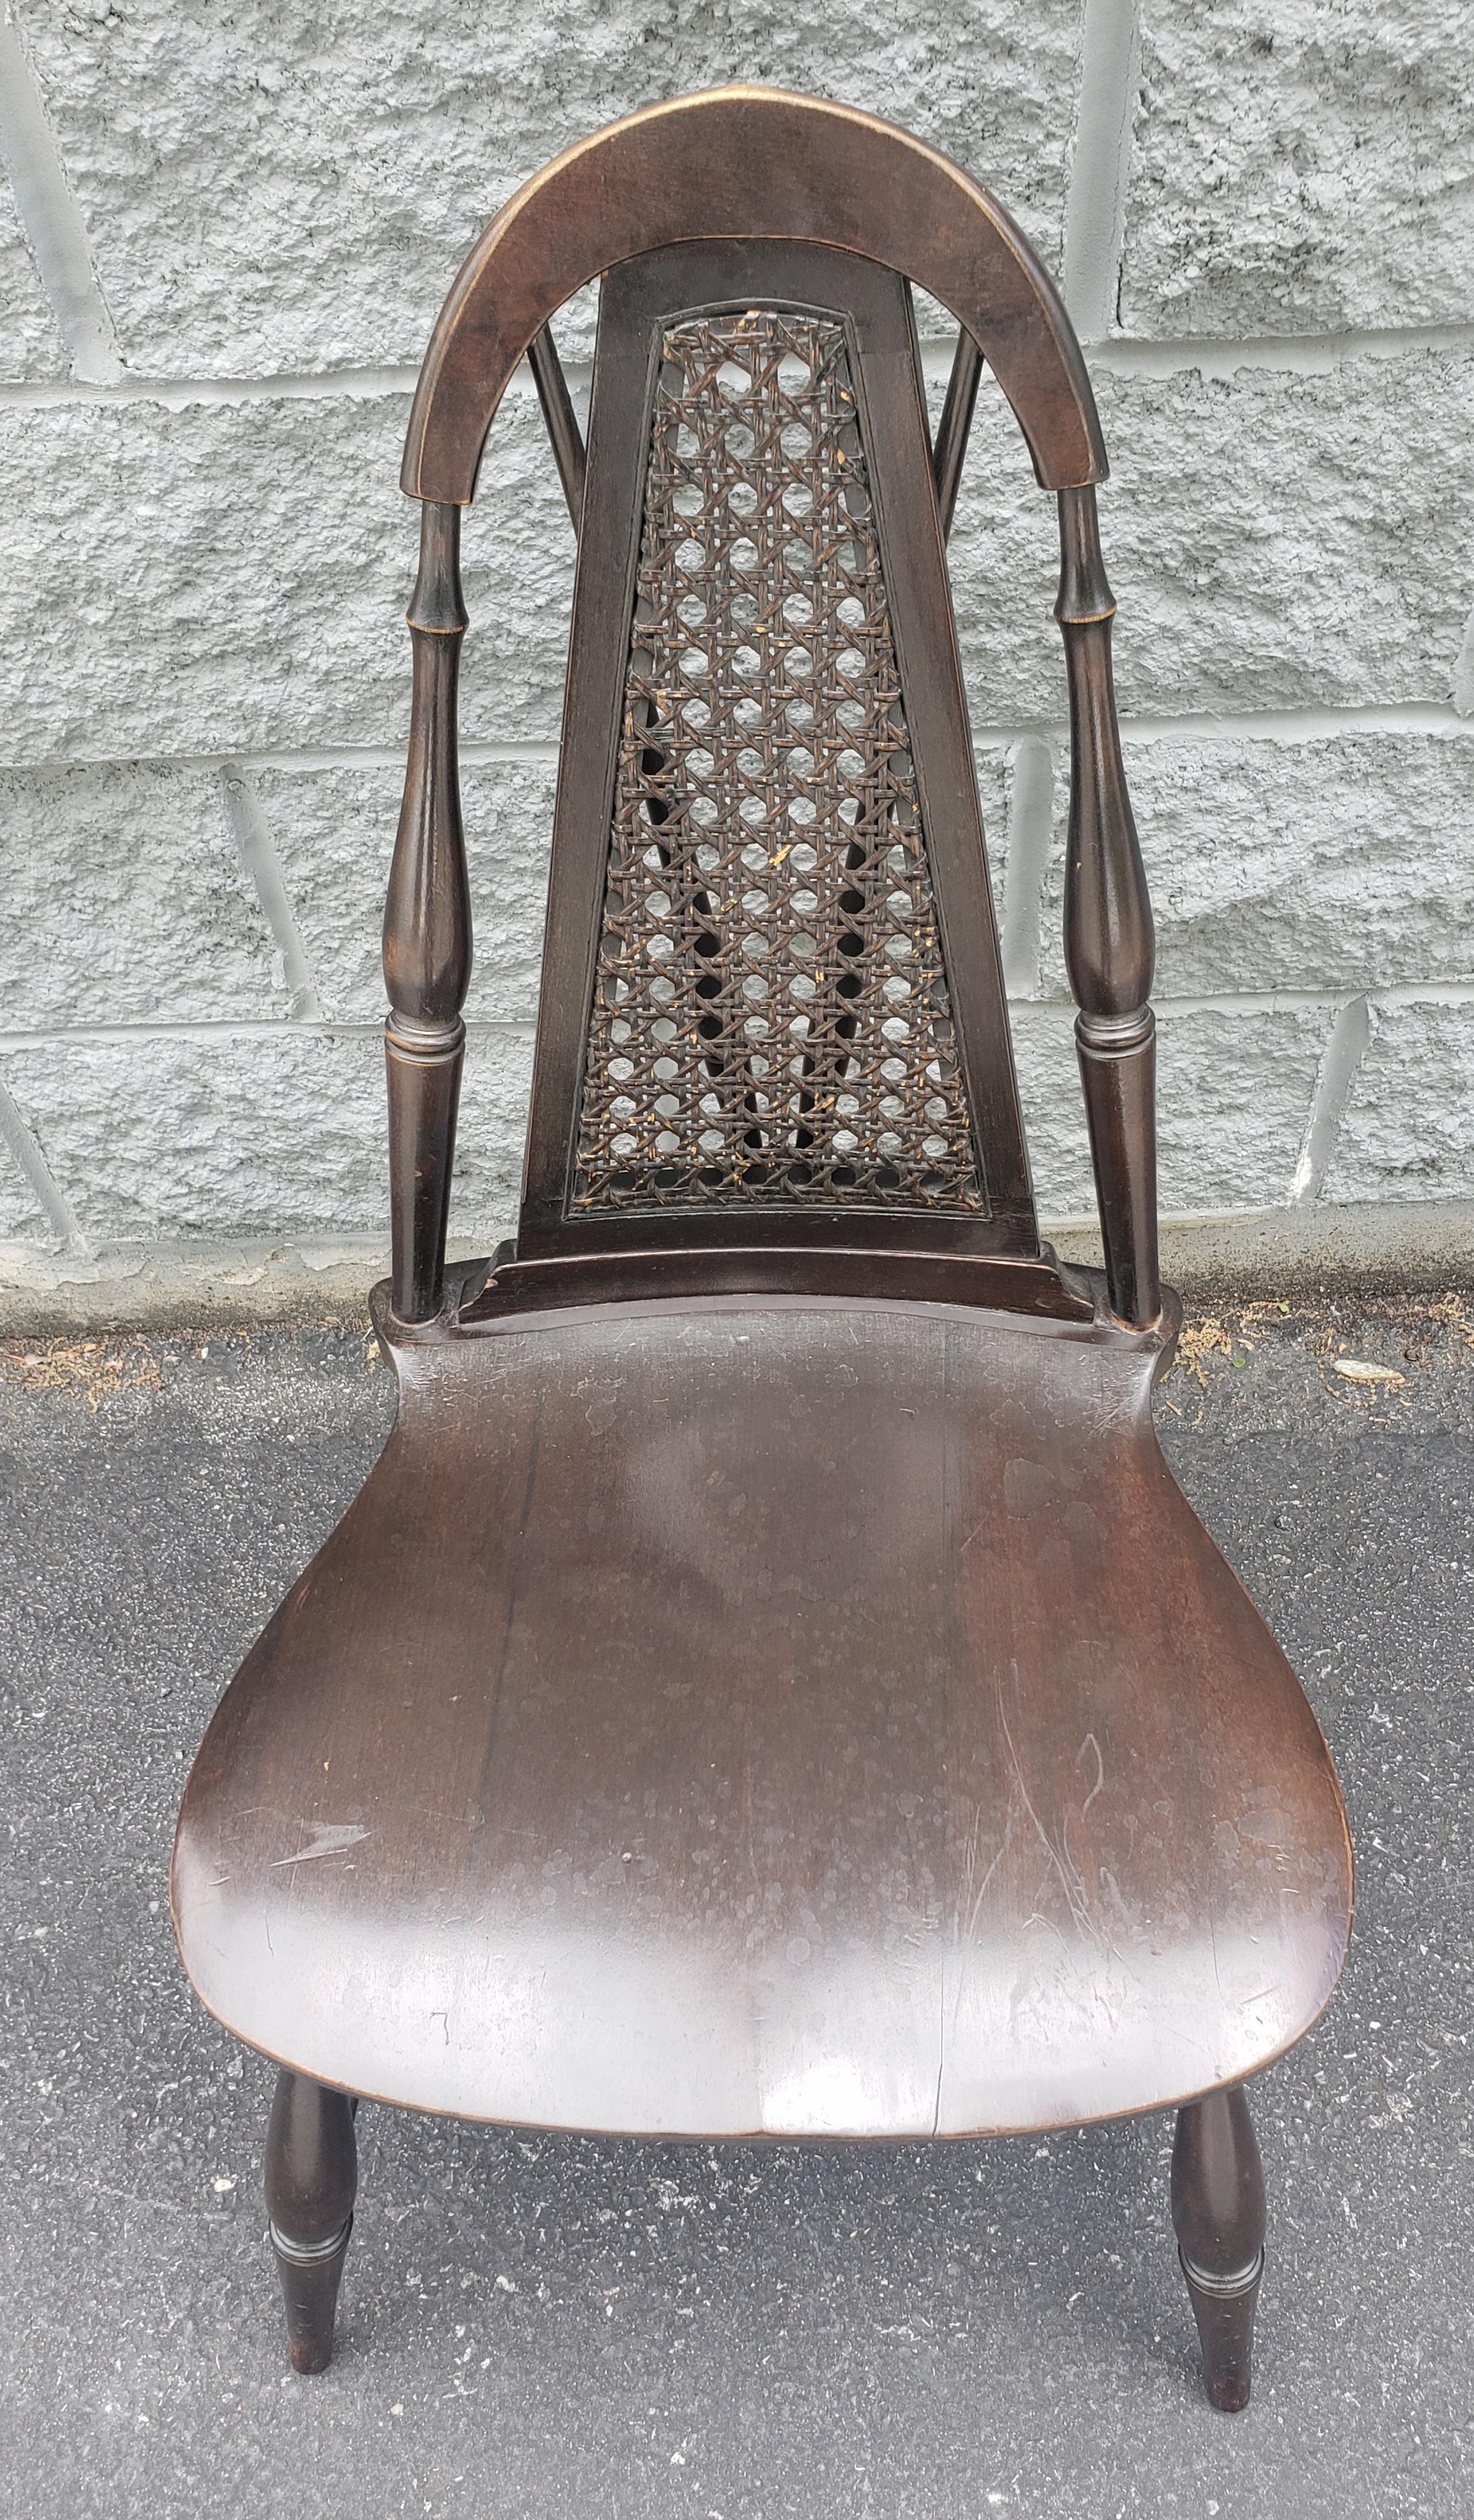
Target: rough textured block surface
[(124, 900), (31, 346), (492, 1132), (1275, 541), (267, 190), (215, 572), (1345, 863), (237, 577), (21, 1215), (1234, 1094), (333, 832), (218, 1132), (1409, 1128), (1306, 168), (230, 1134)]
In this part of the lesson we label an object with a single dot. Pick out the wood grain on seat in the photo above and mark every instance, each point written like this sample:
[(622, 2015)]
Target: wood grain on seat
[(792, 1717)]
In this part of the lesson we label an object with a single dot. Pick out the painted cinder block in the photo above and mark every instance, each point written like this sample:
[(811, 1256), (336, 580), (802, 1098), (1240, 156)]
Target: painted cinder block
[(239, 572), (21, 1216), (205, 1134), (31, 346), (126, 901), (1407, 1131), (1345, 862), (229, 1134), (1306, 168), (237, 576), (1274, 540), (266, 192), (333, 834), (1234, 1092)]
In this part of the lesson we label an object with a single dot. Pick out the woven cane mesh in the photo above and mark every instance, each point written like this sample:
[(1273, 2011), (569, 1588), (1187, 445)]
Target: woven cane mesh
[(771, 1016)]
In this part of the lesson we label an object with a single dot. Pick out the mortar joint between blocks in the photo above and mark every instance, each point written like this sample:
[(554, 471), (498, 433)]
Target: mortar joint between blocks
[(23, 1150), (52, 221), (257, 852), (1346, 1047)]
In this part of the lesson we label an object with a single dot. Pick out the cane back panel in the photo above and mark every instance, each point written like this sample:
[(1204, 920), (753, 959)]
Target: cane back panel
[(770, 1016)]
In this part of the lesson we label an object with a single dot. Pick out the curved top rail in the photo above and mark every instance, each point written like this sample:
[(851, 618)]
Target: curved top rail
[(749, 161)]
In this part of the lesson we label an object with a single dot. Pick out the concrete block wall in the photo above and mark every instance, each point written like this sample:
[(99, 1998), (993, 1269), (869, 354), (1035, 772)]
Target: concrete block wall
[(228, 234)]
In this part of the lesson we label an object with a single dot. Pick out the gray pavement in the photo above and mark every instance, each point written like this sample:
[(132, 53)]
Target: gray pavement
[(555, 2327)]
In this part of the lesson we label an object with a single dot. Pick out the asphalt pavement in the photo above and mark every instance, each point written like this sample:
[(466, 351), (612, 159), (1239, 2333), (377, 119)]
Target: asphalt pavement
[(557, 2328)]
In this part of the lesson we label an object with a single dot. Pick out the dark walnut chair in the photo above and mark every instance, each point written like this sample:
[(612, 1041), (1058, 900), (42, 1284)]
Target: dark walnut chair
[(770, 1683)]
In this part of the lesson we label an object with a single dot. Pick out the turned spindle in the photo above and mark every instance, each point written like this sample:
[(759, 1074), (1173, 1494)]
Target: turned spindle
[(427, 934), (1108, 939)]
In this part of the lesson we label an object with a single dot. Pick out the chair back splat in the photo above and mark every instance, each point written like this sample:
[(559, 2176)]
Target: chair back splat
[(773, 1046)]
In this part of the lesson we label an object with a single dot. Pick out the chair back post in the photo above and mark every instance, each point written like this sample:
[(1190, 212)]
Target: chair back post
[(427, 934), (1108, 939)]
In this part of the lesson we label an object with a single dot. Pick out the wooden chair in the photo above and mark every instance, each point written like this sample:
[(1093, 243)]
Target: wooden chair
[(770, 1684)]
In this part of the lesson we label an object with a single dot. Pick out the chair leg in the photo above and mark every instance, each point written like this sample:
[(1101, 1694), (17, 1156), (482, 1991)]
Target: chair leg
[(1218, 2215), (311, 2178)]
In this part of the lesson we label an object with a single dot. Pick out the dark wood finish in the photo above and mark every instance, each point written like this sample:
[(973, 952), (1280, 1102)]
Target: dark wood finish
[(635, 300), (562, 422), (1108, 937), (427, 934), (771, 1682), (1038, 1287), (750, 163), (774, 1018), (954, 428), (1219, 2216), (760, 1714), (311, 2181)]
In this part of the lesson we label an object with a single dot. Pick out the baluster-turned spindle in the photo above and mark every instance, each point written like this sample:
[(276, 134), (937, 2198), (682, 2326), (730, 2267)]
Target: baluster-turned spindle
[(1108, 939), (427, 934)]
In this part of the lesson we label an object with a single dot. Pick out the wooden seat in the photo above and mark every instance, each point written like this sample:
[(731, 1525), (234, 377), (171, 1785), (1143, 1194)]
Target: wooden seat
[(771, 1682), (741, 1718)]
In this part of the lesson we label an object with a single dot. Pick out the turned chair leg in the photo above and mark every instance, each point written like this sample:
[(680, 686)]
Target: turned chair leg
[(311, 2177), (1218, 2215)]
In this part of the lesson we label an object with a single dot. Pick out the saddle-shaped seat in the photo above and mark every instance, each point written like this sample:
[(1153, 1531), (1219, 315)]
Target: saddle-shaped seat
[(758, 1717)]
